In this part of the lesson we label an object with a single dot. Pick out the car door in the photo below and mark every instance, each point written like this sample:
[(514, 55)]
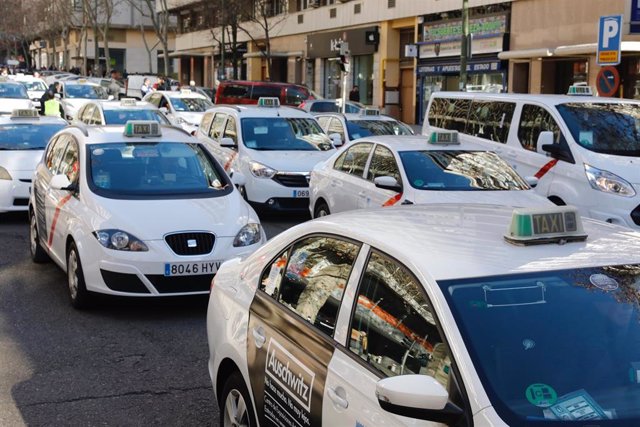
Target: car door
[(383, 163), (214, 135), (346, 183), (393, 331), (291, 326)]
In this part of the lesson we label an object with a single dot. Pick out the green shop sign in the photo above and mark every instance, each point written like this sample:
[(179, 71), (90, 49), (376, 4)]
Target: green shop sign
[(452, 30)]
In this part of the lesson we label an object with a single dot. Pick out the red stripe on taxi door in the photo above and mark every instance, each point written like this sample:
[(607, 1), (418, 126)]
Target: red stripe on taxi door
[(544, 169), (61, 203), (392, 201)]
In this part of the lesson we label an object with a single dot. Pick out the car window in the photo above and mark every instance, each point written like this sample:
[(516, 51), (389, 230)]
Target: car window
[(84, 91), (16, 136), (383, 163), (324, 107), (284, 134), (361, 128), (324, 121), (196, 105), (69, 163), (393, 327), (313, 282), (449, 114), (206, 122), (235, 91), (97, 117), (13, 90), (56, 150), (216, 127), (335, 126), (230, 130), (155, 100), (260, 91), (295, 95), (533, 120), (86, 114), (121, 116), (354, 159), (490, 120)]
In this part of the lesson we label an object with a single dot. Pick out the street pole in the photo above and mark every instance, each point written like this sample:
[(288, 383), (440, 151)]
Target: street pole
[(223, 47), (464, 47)]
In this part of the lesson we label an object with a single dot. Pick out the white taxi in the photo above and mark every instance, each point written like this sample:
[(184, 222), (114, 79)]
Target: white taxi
[(183, 108), (367, 122), (101, 113), (76, 93), (430, 316), (13, 96), (274, 147), (36, 87), (386, 170), (141, 210), (23, 138)]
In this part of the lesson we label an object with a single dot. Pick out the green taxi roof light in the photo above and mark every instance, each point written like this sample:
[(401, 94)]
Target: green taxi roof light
[(368, 111), (444, 138), (268, 101), (142, 128), (25, 113), (580, 89), (534, 226), (128, 102)]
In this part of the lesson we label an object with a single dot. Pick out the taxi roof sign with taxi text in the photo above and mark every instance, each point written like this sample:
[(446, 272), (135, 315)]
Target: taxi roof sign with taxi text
[(535, 226), (609, 40)]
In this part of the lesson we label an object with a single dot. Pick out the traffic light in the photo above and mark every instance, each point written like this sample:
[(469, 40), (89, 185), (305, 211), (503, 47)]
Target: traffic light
[(343, 60)]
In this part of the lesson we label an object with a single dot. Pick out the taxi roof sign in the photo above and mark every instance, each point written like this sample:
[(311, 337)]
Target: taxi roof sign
[(367, 111), (142, 128), (266, 101), (25, 113), (128, 102), (580, 89), (439, 137), (185, 91), (536, 226)]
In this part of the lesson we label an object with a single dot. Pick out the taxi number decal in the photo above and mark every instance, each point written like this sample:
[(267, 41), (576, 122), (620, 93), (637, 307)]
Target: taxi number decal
[(300, 193), (191, 268)]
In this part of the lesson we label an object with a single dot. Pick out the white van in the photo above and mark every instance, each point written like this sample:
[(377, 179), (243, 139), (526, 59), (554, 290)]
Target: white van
[(585, 150)]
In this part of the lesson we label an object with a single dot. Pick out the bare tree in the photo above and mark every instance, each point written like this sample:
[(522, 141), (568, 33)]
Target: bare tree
[(158, 13), (98, 14), (228, 14)]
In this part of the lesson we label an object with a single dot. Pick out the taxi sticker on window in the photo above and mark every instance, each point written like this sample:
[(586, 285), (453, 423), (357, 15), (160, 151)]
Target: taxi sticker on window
[(541, 395), (604, 282), (586, 138), (577, 406), (260, 130), (273, 281), (145, 152)]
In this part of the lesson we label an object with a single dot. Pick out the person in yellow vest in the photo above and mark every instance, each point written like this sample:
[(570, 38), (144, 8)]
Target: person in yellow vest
[(53, 107)]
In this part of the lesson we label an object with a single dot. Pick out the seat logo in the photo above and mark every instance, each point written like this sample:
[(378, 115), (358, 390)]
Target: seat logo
[(192, 243)]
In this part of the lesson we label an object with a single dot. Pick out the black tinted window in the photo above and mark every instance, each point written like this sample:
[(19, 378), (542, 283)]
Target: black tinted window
[(534, 120), (265, 91), (236, 91), (490, 120), (449, 113), (383, 163), (354, 159)]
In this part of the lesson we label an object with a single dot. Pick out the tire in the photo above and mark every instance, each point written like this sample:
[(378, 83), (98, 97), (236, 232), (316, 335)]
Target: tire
[(236, 408), (79, 296), (321, 210), (38, 254)]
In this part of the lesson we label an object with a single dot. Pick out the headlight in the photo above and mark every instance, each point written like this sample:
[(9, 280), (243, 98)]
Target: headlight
[(120, 241), (248, 235), (261, 171), (4, 174), (608, 182)]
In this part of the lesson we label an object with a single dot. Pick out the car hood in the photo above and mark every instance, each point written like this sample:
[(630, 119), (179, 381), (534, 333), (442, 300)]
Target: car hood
[(75, 103), (7, 105), (516, 198), (35, 94), (625, 167), (291, 161), (20, 160), (193, 118), (224, 216)]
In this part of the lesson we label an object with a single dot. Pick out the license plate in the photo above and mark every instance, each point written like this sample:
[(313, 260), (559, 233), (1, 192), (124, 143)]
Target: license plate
[(191, 268), (301, 193)]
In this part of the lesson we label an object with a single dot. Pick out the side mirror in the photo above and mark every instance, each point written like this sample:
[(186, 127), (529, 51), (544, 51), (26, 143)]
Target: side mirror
[(388, 183), (61, 182), (163, 110), (227, 142), (110, 98), (544, 138), (417, 396), (238, 179), (336, 139), (532, 181)]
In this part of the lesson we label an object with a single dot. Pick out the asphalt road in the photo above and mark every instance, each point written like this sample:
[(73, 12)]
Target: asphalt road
[(124, 362)]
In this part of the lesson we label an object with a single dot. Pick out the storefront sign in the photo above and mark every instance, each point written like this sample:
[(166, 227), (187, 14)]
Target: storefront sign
[(479, 46), (635, 16), (609, 40), (326, 45), (448, 31), (454, 68)]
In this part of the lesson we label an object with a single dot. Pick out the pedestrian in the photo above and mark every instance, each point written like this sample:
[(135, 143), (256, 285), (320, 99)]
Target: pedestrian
[(114, 87), (354, 95), (144, 89), (160, 84), (54, 88), (53, 107)]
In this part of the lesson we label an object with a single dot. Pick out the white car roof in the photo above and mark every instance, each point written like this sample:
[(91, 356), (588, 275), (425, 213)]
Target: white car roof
[(179, 94), (454, 241), (117, 105), (357, 116), (257, 112), (80, 82), (417, 142), (547, 99), (42, 120), (115, 134)]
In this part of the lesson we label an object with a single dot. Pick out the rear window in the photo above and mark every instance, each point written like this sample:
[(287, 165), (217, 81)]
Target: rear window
[(260, 91), (236, 91)]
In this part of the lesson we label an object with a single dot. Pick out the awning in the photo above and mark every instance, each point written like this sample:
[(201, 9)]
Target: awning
[(526, 53), (570, 50), (202, 51), (297, 53)]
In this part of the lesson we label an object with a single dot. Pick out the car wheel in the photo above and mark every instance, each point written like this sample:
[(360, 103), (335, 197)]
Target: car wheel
[(78, 293), (38, 254), (236, 409), (321, 210)]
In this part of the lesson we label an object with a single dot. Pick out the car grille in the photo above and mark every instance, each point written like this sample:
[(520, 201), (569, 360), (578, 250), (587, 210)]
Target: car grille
[(20, 202), (292, 180), (635, 215), (179, 284), (195, 243)]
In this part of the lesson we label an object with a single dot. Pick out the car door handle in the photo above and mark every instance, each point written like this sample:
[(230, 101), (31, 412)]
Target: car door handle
[(340, 402), (362, 194), (258, 337)]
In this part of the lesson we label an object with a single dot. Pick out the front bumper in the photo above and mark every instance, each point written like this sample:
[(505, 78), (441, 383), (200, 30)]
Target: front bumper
[(14, 194), (285, 192)]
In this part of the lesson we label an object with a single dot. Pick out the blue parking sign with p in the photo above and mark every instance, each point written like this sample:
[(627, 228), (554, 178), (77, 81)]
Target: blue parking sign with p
[(609, 40)]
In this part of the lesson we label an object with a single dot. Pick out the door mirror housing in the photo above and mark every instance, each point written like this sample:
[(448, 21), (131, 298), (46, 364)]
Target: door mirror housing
[(388, 183), (417, 396), (227, 142), (61, 182), (336, 139), (532, 181), (544, 138), (163, 110)]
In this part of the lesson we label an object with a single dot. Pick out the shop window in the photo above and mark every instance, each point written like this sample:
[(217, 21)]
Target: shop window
[(533, 120), (449, 114), (354, 159), (313, 282), (383, 163), (490, 120), (393, 327)]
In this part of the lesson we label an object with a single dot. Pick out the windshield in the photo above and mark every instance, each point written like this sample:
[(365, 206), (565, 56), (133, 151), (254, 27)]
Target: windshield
[(279, 133), (84, 91), (604, 127), (13, 90), (195, 105), (457, 170), (35, 85), (120, 117), (561, 345), (154, 169), (361, 128), (27, 136)]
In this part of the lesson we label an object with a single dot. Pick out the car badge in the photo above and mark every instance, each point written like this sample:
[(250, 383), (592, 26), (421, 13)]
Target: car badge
[(192, 243)]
